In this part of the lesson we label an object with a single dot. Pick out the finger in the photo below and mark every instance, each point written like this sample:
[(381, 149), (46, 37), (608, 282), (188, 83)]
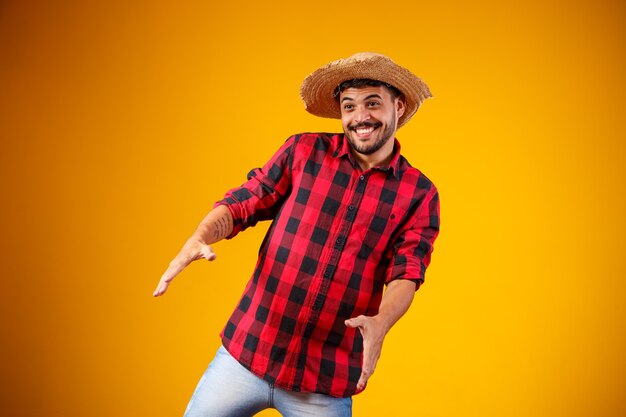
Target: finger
[(365, 370), (355, 321), (167, 278), (371, 354), (175, 268), (363, 380), (161, 288), (207, 253), (369, 365)]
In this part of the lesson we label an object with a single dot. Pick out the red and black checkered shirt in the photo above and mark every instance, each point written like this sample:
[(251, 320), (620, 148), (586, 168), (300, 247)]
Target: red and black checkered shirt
[(339, 234)]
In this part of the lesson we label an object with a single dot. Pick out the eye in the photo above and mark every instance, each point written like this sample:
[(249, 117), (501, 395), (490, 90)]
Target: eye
[(348, 107), (373, 104)]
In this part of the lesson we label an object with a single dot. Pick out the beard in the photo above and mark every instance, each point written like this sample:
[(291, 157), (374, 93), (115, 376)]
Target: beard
[(384, 136)]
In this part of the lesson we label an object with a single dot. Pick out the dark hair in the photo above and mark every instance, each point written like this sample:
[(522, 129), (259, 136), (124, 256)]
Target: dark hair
[(365, 82)]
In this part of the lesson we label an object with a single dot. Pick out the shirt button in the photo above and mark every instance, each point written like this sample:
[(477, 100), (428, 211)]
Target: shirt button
[(350, 208), (362, 177)]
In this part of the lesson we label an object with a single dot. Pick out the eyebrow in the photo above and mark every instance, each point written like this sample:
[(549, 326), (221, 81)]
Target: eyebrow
[(366, 98)]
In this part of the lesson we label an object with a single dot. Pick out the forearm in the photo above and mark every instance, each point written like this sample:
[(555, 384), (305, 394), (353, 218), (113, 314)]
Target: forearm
[(396, 301), (215, 226)]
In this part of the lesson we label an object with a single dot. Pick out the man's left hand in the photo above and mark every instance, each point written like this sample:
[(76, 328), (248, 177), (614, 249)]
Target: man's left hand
[(373, 331)]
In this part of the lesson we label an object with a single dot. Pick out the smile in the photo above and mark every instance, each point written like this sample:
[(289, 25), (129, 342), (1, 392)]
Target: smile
[(365, 130)]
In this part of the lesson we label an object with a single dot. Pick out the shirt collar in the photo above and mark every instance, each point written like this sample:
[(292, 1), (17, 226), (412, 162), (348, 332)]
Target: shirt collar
[(343, 150)]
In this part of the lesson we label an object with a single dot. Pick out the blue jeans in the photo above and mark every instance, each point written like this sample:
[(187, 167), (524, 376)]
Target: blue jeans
[(227, 389)]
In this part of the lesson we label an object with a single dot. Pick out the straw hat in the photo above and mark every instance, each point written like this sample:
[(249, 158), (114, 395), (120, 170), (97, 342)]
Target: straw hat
[(317, 89)]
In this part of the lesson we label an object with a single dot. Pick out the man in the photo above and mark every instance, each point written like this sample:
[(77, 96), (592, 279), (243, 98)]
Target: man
[(350, 215)]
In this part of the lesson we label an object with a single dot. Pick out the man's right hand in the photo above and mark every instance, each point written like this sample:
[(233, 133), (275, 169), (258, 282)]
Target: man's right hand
[(215, 226), (193, 250)]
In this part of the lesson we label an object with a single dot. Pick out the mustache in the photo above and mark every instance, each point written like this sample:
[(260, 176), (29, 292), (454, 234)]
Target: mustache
[(365, 124)]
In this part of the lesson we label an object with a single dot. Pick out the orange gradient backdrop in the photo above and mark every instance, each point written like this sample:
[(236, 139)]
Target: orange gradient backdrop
[(122, 122)]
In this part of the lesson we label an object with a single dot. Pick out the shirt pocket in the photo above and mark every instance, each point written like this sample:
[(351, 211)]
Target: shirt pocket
[(373, 232)]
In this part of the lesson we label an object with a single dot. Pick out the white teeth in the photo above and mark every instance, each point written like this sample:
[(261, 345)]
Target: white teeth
[(364, 131)]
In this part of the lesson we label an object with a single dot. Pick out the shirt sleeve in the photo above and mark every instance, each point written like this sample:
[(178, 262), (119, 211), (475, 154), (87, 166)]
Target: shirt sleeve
[(260, 197), (413, 247)]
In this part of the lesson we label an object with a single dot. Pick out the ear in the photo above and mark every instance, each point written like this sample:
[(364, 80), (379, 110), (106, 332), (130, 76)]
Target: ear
[(400, 106)]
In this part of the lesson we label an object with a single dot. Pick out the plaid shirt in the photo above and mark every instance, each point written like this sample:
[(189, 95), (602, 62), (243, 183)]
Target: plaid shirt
[(339, 234)]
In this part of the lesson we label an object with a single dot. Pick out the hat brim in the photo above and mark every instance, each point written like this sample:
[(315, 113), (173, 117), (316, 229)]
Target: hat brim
[(317, 89)]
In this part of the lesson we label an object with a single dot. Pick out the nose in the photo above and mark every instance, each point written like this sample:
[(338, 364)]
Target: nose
[(362, 114)]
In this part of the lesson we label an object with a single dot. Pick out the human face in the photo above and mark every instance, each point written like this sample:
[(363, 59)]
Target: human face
[(369, 116)]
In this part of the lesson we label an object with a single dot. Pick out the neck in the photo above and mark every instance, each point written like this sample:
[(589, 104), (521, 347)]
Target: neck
[(370, 161), (381, 157)]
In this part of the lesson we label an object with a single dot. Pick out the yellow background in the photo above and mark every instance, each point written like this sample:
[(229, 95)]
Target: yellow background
[(122, 122)]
